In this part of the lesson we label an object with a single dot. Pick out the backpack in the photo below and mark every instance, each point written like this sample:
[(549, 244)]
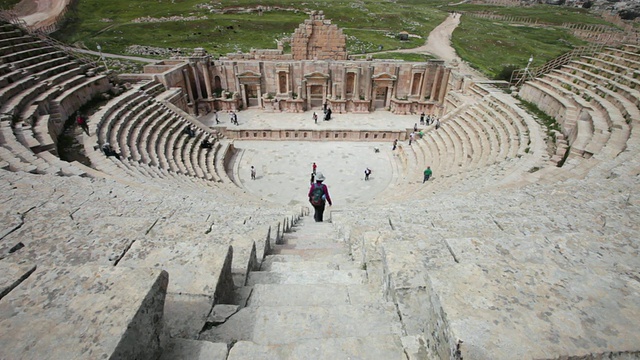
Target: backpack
[(317, 194)]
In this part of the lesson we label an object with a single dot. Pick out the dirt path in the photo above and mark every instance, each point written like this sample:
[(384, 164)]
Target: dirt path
[(38, 13), (438, 44)]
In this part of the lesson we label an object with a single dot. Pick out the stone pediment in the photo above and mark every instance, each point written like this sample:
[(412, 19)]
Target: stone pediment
[(249, 77), (249, 74), (384, 76), (316, 77)]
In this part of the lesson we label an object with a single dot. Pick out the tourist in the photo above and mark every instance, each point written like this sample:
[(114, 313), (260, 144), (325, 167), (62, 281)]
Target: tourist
[(427, 174), (108, 151), (215, 114), (313, 178), (327, 114), (395, 144), (437, 124), (253, 173), (189, 131), (82, 123), (367, 172), (314, 167), (318, 195), (205, 144), (315, 117), (415, 127), (411, 136), (422, 118)]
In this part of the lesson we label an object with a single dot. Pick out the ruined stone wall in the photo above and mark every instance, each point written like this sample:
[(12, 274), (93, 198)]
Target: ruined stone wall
[(318, 39), (294, 86)]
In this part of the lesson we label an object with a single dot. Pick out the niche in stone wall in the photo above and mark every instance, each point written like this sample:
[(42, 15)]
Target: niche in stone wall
[(282, 82), (415, 83), (350, 84)]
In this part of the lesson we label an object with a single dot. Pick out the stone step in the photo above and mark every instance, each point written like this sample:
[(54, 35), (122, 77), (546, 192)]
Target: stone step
[(311, 295), (310, 244), (301, 266), (290, 324), (387, 347), (341, 259), (343, 277), (307, 254), (185, 349)]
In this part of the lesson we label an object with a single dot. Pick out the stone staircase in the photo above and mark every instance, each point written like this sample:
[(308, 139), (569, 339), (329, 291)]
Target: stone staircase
[(310, 300)]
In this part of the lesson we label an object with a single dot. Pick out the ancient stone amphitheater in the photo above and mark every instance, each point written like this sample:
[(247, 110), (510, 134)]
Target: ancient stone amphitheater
[(521, 247)]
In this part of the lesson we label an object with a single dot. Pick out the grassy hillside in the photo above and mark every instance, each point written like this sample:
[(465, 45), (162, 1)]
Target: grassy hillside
[(488, 45)]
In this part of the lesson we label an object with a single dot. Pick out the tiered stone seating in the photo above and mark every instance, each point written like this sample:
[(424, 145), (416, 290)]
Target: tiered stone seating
[(147, 131), (38, 85), (602, 90)]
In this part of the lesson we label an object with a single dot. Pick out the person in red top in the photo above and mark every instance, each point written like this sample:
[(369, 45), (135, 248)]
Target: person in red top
[(314, 167), (318, 194)]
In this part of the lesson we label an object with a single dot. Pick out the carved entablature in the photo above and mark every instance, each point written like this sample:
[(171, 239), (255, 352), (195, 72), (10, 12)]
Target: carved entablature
[(419, 67), (283, 67), (316, 78), (249, 77), (383, 79)]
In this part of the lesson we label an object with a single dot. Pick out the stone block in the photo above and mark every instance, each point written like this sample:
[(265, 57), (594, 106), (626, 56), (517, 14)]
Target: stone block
[(84, 312), (184, 349)]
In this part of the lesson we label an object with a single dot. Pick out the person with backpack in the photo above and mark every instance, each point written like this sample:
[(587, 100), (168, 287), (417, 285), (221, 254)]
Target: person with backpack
[(318, 194)]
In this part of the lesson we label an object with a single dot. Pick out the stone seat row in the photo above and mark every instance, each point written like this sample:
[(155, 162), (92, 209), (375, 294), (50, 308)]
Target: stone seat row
[(602, 124), (599, 94), (37, 82), (147, 131), (484, 134)]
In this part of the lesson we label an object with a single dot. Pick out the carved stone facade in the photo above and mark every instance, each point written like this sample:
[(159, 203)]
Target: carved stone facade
[(318, 74)]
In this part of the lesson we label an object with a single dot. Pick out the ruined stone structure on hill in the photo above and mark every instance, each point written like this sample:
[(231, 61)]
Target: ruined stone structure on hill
[(317, 73)]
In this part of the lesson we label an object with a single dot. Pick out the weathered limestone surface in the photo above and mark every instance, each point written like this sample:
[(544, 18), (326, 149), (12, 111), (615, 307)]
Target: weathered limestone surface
[(84, 312), (183, 349)]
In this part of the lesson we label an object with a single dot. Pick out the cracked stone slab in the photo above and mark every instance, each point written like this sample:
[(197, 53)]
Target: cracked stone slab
[(221, 312), (12, 274)]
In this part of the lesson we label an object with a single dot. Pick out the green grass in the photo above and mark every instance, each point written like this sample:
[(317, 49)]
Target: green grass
[(487, 45), (414, 57), (8, 4), (368, 24), (491, 45)]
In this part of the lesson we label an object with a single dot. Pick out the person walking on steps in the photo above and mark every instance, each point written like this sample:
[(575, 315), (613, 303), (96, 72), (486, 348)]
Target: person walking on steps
[(427, 174), (367, 172), (318, 195), (253, 173)]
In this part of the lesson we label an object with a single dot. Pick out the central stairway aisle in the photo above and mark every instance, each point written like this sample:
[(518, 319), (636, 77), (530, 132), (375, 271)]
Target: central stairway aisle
[(311, 301)]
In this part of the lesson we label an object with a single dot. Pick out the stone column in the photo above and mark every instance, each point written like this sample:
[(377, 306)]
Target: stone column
[(196, 77), (244, 96), (356, 85), (444, 85), (423, 86), (434, 86), (307, 90), (207, 79), (387, 101), (187, 82), (260, 96), (324, 93)]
